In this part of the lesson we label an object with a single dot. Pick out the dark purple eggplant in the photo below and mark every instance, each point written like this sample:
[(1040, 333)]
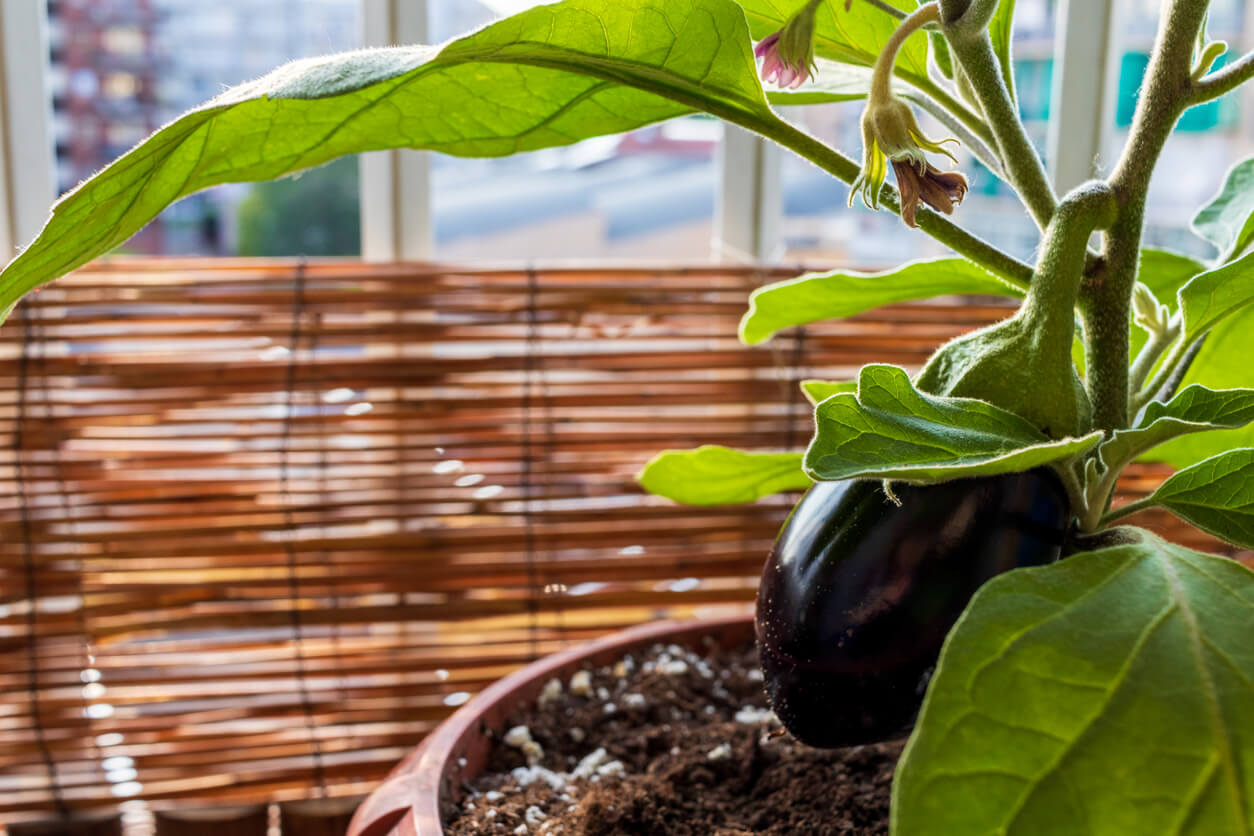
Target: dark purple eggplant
[(858, 594)]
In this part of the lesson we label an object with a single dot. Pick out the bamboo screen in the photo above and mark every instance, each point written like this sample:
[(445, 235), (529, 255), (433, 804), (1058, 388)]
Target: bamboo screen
[(265, 523)]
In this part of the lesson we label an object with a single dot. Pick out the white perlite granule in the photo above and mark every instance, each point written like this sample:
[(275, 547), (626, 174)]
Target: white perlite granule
[(581, 684), (552, 692), (721, 752), (754, 716)]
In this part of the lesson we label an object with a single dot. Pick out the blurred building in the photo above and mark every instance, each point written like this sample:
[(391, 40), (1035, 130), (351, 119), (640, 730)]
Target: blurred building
[(105, 67), (122, 68)]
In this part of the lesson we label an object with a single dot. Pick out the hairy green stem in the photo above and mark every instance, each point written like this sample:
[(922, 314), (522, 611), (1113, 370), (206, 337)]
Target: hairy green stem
[(974, 53), (1050, 304), (1106, 298), (1009, 269), (971, 15), (1154, 347), (882, 72), (1223, 80), (1127, 510), (1144, 395)]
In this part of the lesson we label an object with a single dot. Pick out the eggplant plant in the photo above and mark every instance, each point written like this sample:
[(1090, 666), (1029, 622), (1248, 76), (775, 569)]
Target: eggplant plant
[(1109, 692)]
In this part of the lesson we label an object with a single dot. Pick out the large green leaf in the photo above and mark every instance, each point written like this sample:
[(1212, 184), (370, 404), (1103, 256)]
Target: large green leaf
[(1194, 409), (1216, 495), (713, 475), (818, 296), (817, 391), (551, 75), (1106, 695), (1000, 30), (1223, 362), (890, 430), (853, 37), (1228, 220), (1207, 298)]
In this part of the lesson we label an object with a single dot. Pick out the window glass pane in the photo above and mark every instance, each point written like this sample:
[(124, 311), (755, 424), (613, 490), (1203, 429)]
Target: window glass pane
[(122, 68), (819, 226), (1208, 139), (646, 194)]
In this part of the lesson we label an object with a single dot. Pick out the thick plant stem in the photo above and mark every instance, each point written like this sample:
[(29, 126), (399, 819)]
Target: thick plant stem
[(1106, 299), (1009, 269), (1224, 80), (1051, 299), (1026, 172)]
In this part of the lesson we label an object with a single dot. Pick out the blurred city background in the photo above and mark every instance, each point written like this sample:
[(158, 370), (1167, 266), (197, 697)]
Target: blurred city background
[(122, 68)]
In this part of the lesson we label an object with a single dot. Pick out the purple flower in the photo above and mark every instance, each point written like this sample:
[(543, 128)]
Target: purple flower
[(788, 55), (775, 69), (926, 183)]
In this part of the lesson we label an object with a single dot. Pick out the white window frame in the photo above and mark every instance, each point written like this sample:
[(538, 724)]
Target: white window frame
[(396, 218), (27, 172), (395, 188)]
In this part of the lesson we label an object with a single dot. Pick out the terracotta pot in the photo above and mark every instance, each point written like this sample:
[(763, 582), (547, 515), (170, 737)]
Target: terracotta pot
[(408, 802)]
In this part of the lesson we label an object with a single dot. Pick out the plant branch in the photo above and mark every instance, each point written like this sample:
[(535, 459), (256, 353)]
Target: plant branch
[(1024, 169), (1154, 347), (971, 15), (1010, 269), (1223, 80), (1106, 299), (1127, 510)]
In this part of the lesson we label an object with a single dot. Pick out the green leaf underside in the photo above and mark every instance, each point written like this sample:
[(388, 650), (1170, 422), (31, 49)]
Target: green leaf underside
[(890, 430), (818, 296), (1107, 695), (1223, 362), (1228, 220), (1208, 298), (1194, 409), (548, 76), (854, 36), (1000, 32), (817, 391), (713, 475), (1216, 495)]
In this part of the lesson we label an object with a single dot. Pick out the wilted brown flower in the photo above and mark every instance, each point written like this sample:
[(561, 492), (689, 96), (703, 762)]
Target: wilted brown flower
[(938, 189)]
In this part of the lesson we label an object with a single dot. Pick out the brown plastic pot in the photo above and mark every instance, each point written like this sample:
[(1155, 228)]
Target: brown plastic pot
[(408, 803)]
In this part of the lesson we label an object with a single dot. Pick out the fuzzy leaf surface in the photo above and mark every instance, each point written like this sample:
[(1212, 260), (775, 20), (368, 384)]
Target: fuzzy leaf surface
[(818, 296), (1208, 298), (1107, 694), (890, 430), (1194, 409), (1216, 495), (714, 475), (1227, 221), (548, 76)]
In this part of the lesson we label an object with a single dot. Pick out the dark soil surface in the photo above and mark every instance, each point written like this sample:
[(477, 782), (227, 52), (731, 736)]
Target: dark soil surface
[(671, 743)]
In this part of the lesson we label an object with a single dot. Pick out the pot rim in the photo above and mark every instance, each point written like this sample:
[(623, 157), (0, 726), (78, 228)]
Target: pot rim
[(408, 803)]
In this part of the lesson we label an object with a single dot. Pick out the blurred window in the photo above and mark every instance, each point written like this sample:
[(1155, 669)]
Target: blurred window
[(120, 69), (648, 194)]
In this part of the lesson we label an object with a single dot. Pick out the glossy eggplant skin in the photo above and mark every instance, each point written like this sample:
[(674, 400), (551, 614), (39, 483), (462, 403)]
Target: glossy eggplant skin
[(858, 594)]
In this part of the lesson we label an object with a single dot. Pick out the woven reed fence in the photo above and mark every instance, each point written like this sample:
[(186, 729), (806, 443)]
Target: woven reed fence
[(266, 523)]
